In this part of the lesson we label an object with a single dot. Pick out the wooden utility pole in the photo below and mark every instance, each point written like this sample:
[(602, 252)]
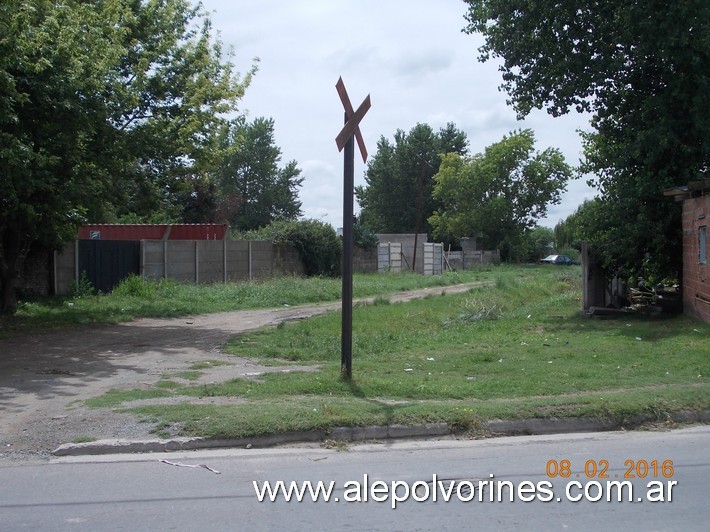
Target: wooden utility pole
[(346, 140)]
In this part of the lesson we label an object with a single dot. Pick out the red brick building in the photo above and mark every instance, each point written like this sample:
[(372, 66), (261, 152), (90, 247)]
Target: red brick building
[(696, 264)]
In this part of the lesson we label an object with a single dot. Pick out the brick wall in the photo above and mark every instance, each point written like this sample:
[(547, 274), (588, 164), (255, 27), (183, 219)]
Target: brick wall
[(696, 276)]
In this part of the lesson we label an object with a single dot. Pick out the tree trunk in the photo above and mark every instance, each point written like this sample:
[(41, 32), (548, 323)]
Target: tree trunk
[(11, 259), (8, 295)]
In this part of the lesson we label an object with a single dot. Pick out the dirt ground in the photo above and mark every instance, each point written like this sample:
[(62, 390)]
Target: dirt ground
[(45, 378)]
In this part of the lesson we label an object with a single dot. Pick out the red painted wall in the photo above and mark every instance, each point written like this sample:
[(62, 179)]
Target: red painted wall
[(696, 276), (153, 231)]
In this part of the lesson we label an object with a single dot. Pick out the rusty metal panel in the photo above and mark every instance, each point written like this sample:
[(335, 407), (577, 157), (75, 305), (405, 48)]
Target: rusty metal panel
[(153, 231), (198, 232)]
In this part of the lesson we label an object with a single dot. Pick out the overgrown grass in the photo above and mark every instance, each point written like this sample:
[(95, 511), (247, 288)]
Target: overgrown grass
[(515, 348), (135, 298)]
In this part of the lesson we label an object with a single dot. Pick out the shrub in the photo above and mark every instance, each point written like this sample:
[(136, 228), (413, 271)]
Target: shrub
[(83, 288), (317, 243), (134, 286)]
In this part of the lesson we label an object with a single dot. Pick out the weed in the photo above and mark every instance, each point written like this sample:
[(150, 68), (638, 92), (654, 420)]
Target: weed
[(165, 382), (136, 286), (83, 288), (83, 439), (189, 375), (337, 445), (473, 311)]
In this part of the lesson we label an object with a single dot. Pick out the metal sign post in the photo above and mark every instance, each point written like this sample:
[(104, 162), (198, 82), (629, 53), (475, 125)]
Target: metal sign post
[(346, 140)]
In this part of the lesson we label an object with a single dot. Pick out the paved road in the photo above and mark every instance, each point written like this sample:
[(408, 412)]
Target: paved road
[(143, 493)]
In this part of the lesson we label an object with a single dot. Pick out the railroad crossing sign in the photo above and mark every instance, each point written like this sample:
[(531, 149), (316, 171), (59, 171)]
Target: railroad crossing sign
[(345, 140), (352, 120)]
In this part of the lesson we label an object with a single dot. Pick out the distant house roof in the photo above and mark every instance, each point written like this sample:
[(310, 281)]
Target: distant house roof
[(153, 232), (691, 190)]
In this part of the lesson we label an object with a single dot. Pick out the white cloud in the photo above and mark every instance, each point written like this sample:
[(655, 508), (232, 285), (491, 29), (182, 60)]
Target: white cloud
[(409, 55)]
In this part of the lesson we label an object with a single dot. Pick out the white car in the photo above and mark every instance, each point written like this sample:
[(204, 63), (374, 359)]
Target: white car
[(559, 259)]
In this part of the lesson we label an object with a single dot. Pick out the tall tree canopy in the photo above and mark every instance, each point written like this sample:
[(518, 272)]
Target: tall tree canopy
[(251, 174), (106, 108), (571, 231), (498, 194), (398, 195), (246, 188), (641, 69)]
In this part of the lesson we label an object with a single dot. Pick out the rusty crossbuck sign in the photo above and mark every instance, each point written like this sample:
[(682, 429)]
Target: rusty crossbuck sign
[(346, 140)]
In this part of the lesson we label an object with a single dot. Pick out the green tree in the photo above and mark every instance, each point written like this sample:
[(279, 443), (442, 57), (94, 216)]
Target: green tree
[(498, 194), (250, 178), (397, 197), (640, 69), (105, 109), (535, 244), (578, 226)]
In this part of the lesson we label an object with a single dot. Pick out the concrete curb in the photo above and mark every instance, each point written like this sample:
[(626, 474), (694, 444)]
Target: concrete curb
[(541, 426), (516, 427), (117, 446)]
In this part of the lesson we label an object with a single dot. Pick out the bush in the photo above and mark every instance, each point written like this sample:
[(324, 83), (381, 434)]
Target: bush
[(134, 286), (83, 288), (571, 252), (317, 243)]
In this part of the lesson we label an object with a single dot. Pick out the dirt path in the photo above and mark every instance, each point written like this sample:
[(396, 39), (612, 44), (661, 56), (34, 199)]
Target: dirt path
[(44, 379)]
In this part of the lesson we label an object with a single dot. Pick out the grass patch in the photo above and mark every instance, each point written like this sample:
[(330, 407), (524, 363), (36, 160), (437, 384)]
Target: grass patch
[(516, 348), (114, 397), (136, 298), (83, 439), (188, 375), (324, 413), (207, 364)]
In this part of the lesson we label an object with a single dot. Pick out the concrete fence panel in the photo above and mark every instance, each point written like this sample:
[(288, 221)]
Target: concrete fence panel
[(208, 261), (262, 259), (432, 258), (153, 259), (468, 260), (237, 260), (389, 257), (365, 260), (181, 260)]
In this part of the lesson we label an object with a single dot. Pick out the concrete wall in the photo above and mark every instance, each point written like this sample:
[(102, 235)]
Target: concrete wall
[(287, 260), (468, 260), (433, 258), (407, 242), (468, 243), (209, 261), (200, 261), (696, 275), (364, 260), (389, 257), (595, 289), (65, 268)]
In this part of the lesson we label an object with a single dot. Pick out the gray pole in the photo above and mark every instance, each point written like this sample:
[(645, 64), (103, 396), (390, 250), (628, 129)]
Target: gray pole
[(346, 356)]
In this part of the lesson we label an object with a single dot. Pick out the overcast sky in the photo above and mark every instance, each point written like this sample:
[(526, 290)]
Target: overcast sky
[(409, 55)]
